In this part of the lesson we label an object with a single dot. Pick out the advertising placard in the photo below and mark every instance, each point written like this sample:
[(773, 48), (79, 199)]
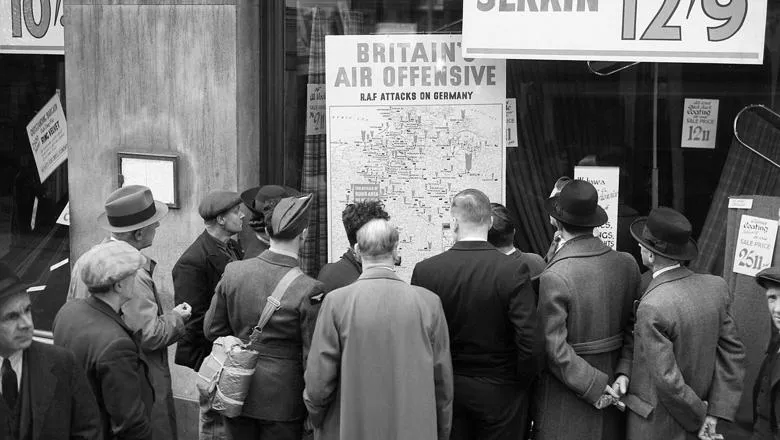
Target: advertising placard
[(706, 31), (48, 134), (607, 183), (315, 109), (755, 245), (32, 26), (511, 122), (700, 123)]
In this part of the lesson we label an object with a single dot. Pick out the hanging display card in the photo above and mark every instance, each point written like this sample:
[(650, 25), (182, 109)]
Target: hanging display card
[(755, 245), (700, 123)]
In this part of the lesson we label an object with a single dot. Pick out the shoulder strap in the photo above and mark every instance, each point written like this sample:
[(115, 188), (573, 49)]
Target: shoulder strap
[(274, 302)]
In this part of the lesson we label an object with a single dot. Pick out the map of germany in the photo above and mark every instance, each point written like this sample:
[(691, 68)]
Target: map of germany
[(414, 159)]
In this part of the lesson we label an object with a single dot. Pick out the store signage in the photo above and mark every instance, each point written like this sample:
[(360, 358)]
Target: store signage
[(511, 122), (679, 31), (700, 123), (32, 26), (315, 109), (607, 183), (755, 245), (48, 134)]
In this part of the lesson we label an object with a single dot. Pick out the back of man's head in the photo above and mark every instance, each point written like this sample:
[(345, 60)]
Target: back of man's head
[(378, 238), (472, 207), (357, 214), (502, 232)]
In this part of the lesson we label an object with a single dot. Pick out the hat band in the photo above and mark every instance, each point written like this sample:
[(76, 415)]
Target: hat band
[(662, 245), (132, 219), (6, 283)]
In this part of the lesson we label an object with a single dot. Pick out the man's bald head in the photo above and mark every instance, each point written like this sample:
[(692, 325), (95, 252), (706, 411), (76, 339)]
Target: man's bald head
[(471, 207)]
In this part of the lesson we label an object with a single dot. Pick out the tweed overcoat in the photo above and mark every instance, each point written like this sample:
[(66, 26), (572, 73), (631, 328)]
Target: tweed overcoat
[(686, 352), (276, 393), (586, 297)]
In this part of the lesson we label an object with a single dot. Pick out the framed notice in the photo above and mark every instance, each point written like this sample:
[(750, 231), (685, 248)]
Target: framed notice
[(159, 172)]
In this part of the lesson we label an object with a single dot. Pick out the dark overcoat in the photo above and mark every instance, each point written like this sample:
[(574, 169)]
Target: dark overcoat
[(115, 366), (341, 273), (57, 403), (276, 393), (586, 297), (771, 394), (686, 352)]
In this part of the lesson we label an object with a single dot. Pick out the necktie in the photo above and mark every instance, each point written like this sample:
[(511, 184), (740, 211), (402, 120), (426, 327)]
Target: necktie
[(10, 391)]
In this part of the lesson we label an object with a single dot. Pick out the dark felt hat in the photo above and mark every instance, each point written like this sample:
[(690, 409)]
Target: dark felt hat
[(217, 202), (667, 233), (291, 216), (577, 204), (770, 275), (129, 208), (10, 284), (256, 198)]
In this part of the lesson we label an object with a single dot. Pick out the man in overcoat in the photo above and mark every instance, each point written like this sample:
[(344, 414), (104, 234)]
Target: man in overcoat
[(688, 361), (586, 297), (274, 407), (132, 216), (766, 392), (93, 329), (44, 391), (491, 315), (379, 366), (348, 268)]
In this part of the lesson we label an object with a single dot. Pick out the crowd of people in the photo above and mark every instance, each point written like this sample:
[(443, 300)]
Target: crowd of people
[(486, 342)]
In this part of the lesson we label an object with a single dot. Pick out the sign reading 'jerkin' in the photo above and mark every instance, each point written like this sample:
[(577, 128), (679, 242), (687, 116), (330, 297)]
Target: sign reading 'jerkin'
[(678, 31)]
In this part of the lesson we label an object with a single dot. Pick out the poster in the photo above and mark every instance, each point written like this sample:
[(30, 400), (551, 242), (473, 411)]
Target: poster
[(700, 123), (32, 26), (315, 109), (48, 134), (671, 31), (412, 123), (607, 183), (755, 245), (511, 122)]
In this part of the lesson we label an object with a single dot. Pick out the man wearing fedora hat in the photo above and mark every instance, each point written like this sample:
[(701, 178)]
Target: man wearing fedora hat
[(132, 216), (93, 329), (687, 369), (586, 295), (766, 392), (195, 275), (45, 394), (274, 407), (253, 237)]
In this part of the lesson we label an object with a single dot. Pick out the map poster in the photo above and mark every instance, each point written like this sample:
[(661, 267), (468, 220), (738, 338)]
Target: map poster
[(412, 123), (755, 245), (607, 183)]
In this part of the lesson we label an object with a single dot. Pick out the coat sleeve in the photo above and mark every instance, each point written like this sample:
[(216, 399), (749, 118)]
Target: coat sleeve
[(119, 372), (84, 413), (727, 380), (323, 366), (442, 372), (141, 315), (308, 309), (565, 364), (190, 285), (523, 316), (627, 352), (658, 353), (216, 322)]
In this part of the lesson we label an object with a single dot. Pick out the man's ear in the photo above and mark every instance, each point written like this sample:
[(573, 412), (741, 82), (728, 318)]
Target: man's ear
[(356, 248)]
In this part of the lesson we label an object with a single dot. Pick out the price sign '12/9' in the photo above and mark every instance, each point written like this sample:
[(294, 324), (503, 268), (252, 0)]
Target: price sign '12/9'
[(731, 15)]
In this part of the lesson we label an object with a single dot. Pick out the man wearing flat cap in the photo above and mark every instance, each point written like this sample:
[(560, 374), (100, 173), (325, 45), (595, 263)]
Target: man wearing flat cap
[(274, 407), (586, 296), (766, 392), (93, 329), (688, 361), (44, 391), (253, 237), (132, 216), (195, 275)]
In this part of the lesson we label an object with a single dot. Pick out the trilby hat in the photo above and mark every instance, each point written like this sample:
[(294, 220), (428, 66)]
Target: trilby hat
[(667, 233), (577, 204), (768, 275), (129, 208), (10, 284), (290, 216), (255, 198)]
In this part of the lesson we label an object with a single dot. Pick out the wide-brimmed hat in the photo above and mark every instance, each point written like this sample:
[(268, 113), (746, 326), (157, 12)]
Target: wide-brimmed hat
[(290, 216), (577, 204), (667, 233), (129, 208), (768, 275), (255, 198), (10, 284)]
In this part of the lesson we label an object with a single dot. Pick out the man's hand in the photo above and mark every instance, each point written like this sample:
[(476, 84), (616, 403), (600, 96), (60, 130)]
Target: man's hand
[(620, 386), (184, 310), (707, 431)]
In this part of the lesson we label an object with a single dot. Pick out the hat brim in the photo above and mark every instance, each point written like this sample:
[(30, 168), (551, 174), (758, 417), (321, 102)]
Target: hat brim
[(689, 252), (596, 219), (13, 289), (161, 211)]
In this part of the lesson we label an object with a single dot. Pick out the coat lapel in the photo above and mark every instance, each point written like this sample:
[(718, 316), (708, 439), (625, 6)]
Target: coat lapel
[(41, 388)]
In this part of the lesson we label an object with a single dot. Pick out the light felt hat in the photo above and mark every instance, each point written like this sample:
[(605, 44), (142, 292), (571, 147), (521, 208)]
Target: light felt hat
[(129, 208)]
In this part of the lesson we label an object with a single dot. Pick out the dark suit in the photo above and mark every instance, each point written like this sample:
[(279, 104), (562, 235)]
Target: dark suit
[(766, 394), (490, 308), (115, 366), (56, 401), (195, 275), (341, 273)]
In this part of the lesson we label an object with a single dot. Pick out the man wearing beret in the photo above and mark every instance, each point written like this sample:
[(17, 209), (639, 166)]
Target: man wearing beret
[(93, 329), (766, 392), (45, 394), (195, 275), (132, 216), (688, 361), (274, 407)]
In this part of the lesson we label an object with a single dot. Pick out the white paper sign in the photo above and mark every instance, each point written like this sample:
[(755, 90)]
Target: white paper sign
[(511, 122), (64, 218), (700, 123), (755, 245), (607, 183), (693, 31), (740, 203), (315, 109), (32, 26), (48, 134)]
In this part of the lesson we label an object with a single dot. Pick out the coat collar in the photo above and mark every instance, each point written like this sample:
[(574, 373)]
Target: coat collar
[(41, 380), (105, 309), (667, 277), (210, 243), (473, 246), (376, 273), (272, 257), (578, 247), (349, 257)]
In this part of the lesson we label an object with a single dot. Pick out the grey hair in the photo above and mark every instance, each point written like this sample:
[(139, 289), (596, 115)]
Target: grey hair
[(472, 206), (376, 238)]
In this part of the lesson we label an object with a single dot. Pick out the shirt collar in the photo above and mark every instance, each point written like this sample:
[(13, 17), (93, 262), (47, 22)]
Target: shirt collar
[(281, 252), (665, 269)]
